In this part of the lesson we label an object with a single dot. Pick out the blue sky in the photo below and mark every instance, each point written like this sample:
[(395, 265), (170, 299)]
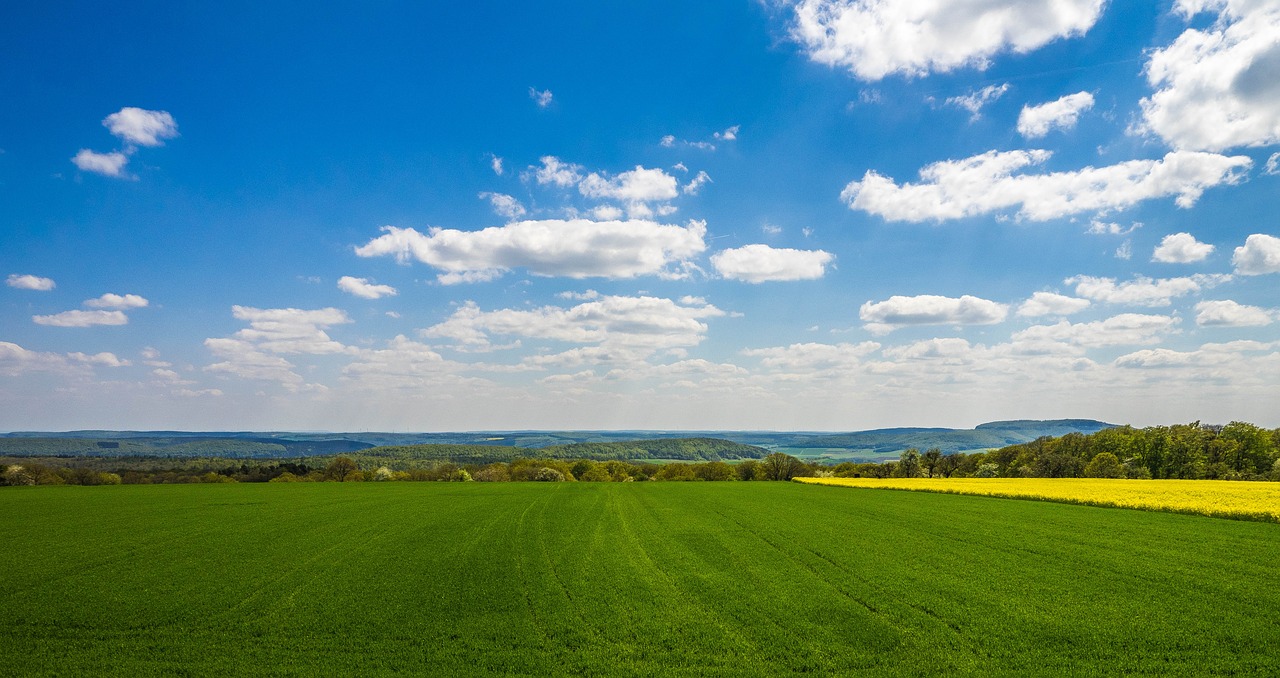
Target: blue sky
[(815, 215)]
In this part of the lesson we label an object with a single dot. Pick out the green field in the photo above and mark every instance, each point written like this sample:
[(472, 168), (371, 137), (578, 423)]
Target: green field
[(621, 579)]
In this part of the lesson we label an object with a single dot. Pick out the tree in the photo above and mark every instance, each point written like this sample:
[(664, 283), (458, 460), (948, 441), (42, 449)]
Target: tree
[(909, 464), (1105, 465), (779, 466), (931, 458), (339, 468)]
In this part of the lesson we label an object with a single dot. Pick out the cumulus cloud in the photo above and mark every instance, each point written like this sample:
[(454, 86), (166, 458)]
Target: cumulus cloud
[(107, 164), (1227, 313), (1049, 303), (813, 356), (1037, 121), (104, 359), (1222, 359), (1098, 227), (1272, 167), (495, 163), (695, 184), (1142, 291), (16, 360), (244, 360), (504, 205), (1120, 330), (975, 101), (927, 309), (1218, 88), (363, 288), (542, 97), (730, 134), (557, 172), (1259, 255), (876, 38), (25, 281), (639, 185), (140, 127), (576, 248), (290, 330), (637, 323), (992, 182), (82, 318), (1181, 248), (762, 263), (117, 301)]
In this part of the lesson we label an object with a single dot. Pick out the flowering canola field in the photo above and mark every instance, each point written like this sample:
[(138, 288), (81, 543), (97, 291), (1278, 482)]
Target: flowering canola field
[(1217, 498)]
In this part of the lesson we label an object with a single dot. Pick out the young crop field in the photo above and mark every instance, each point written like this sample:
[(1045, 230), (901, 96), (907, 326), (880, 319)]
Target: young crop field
[(621, 579), (1218, 498)]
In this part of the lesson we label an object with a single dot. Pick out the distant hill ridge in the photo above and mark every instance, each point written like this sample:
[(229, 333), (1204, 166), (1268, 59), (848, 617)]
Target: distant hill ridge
[(284, 444)]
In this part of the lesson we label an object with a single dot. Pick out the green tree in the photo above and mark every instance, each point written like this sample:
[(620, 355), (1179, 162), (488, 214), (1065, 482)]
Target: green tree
[(1104, 465), (931, 459), (779, 466), (340, 468), (909, 464)]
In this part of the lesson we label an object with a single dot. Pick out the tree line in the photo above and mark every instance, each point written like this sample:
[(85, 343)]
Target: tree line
[(1236, 451)]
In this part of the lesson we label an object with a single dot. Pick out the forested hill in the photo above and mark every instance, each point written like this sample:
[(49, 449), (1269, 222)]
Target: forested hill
[(992, 435), (683, 449)]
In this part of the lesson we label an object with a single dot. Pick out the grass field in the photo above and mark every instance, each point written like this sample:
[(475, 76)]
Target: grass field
[(1218, 498), (621, 579)]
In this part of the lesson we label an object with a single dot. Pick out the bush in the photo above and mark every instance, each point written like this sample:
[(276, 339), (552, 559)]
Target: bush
[(548, 475)]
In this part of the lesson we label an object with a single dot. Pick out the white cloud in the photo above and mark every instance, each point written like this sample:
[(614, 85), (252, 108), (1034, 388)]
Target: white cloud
[(1142, 291), (30, 282), (1272, 167), (82, 318), (141, 127), (1063, 113), (576, 248), (762, 263), (554, 171), (1125, 250), (104, 359), (243, 359), (15, 360), (1219, 359), (1259, 255), (975, 101), (668, 141), (1181, 248), (504, 205), (1218, 88), (1227, 313), (495, 163), (540, 97), (116, 301), (927, 309), (730, 134), (638, 323), (290, 330), (361, 287), (107, 164), (876, 38), (987, 183), (1120, 330), (607, 213), (813, 356), (1097, 227), (639, 185), (1048, 303), (695, 184)]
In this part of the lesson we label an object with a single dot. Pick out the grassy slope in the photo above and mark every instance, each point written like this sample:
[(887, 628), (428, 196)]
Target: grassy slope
[(597, 579)]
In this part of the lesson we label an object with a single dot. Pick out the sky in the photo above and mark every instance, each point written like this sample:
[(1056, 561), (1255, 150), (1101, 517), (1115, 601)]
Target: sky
[(787, 215)]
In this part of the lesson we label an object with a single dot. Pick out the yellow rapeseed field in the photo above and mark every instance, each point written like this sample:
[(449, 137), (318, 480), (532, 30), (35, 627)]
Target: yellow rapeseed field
[(1218, 498)]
